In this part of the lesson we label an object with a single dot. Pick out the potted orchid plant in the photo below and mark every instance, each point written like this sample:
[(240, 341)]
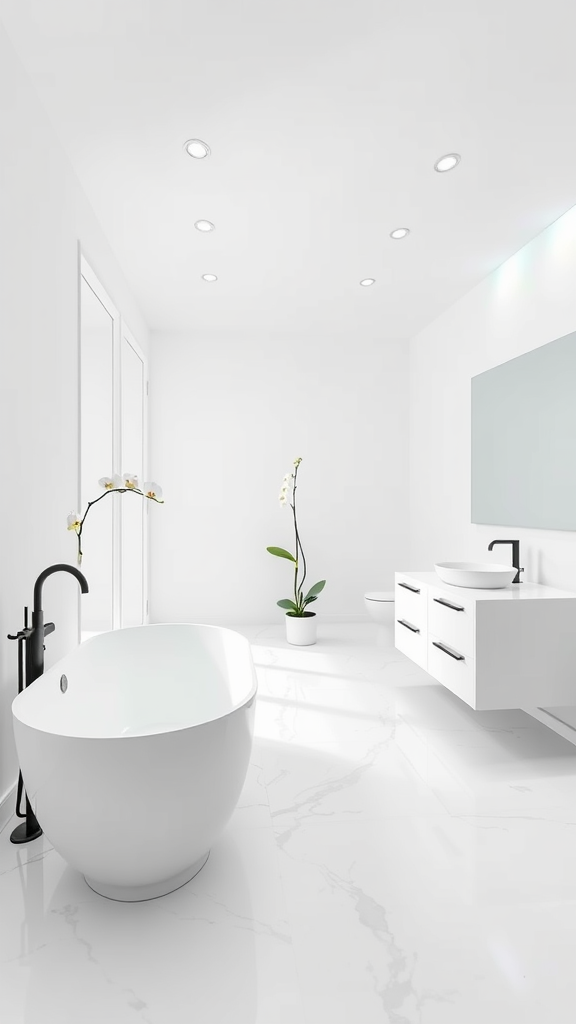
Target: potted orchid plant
[(114, 484), (300, 623)]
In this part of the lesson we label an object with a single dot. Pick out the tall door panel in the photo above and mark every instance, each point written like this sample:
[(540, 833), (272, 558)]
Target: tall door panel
[(97, 353), (133, 509)]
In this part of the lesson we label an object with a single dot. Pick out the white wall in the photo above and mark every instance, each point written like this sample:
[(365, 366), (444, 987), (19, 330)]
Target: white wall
[(528, 301), (43, 215), (227, 417)]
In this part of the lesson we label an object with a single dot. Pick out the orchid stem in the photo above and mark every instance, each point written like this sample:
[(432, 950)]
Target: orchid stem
[(299, 549), (109, 490)]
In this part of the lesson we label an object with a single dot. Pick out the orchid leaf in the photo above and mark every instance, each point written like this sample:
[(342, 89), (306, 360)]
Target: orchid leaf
[(316, 589), (281, 553), (286, 603)]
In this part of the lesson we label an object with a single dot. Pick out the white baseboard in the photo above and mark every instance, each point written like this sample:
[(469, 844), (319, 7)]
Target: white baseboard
[(342, 618), (323, 619), (551, 722), (7, 807)]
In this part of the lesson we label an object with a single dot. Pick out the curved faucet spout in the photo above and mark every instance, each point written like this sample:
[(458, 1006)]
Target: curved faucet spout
[(35, 641), (61, 567)]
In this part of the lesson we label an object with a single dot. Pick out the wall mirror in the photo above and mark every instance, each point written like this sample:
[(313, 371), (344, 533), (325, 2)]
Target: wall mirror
[(524, 440)]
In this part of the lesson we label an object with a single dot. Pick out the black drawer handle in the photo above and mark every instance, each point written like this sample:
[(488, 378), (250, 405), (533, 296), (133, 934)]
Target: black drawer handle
[(413, 590), (448, 604), (453, 654), (413, 629)]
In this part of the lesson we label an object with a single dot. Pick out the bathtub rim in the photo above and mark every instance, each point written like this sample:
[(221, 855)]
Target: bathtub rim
[(243, 704)]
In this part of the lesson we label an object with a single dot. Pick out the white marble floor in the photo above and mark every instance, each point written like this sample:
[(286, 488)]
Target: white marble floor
[(396, 858)]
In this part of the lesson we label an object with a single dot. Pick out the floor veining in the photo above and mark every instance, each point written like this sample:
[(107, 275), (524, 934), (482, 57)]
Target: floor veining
[(395, 858)]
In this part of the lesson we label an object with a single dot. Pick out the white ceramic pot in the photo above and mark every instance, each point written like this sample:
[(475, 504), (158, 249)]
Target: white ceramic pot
[(301, 629)]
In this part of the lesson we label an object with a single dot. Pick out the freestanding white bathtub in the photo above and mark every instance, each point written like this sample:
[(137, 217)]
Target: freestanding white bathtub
[(134, 750)]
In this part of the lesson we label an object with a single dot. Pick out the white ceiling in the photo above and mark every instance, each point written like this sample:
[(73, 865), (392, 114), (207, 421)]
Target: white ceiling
[(324, 118)]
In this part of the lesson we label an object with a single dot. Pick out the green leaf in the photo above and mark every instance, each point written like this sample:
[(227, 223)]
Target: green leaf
[(285, 603), (316, 589), (281, 553), (308, 600)]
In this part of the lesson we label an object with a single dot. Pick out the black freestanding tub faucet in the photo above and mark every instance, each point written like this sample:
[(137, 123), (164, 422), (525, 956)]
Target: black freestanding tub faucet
[(33, 639), (515, 556)]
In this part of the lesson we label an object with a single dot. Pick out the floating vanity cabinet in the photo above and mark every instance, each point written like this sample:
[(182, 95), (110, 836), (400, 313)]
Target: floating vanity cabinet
[(509, 648)]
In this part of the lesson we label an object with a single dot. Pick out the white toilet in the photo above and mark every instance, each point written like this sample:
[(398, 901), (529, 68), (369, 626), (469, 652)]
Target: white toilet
[(380, 607)]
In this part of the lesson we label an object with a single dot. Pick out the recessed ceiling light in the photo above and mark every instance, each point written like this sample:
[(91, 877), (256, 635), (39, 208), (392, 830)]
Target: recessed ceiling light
[(367, 281), (209, 277), (204, 225), (196, 148), (399, 232), (447, 162)]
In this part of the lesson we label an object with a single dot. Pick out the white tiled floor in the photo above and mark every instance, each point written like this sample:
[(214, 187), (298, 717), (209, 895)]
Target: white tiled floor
[(396, 858)]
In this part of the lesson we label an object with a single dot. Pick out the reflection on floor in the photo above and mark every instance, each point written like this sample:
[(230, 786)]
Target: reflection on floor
[(396, 858)]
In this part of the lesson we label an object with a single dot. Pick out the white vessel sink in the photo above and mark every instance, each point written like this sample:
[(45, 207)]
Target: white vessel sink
[(477, 575)]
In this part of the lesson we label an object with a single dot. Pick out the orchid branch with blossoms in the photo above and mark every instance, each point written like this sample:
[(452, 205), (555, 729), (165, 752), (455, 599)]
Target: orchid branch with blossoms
[(126, 484), (297, 606)]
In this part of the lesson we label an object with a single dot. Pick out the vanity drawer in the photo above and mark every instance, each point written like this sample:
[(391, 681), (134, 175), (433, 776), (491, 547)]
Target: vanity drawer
[(452, 620), (410, 602), (410, 639), (452, 668)]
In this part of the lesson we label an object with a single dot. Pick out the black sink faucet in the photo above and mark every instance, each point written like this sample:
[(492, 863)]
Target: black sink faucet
[(515, 556), (35, 639)]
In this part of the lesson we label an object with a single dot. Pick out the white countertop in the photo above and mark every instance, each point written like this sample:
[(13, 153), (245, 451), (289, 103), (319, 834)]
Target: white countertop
[(513, 592)]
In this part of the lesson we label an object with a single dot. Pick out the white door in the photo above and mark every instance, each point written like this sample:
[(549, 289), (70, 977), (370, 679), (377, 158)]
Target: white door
[(113, 409), (134, 509), (99, 323)]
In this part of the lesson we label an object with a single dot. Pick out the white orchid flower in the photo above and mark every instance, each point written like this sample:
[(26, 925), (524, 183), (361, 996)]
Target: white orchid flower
[(110, 483), (74, 521), (152, 490), (285, 494), (287, 484), (130, 482)]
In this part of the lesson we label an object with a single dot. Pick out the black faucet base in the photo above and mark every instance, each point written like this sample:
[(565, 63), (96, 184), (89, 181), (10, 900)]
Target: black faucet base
[(30, 827), (21, 833)]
